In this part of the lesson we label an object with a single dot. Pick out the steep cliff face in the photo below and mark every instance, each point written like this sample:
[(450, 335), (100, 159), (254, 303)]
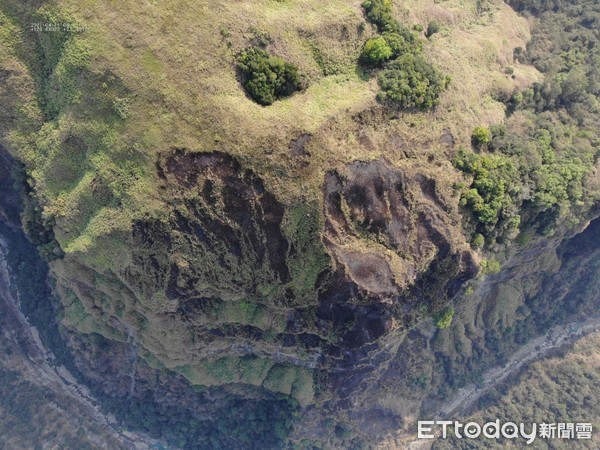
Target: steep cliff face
[(358, 354), (549, 283), (234, 287), (11, 199)]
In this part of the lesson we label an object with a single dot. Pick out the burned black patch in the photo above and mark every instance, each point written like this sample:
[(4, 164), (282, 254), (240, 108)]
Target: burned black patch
[(223, 233)]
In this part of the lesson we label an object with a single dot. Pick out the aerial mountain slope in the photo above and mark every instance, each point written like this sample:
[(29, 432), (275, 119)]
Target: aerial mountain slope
[(340, 260), (565, 384)]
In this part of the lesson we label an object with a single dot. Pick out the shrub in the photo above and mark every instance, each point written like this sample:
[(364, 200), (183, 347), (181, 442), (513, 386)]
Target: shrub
[(444, 319), (260, 38), (121, 107), (481, 136), (411, 82), (490, 267), (478, 240), (402, 42), (376, 51), (266, 77), (432, 28), (379, 12)]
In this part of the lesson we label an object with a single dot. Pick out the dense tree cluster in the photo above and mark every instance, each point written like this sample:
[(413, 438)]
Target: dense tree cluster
[(531, 179), (240, 423), (491, 189), (533, 174), (407, 79), (411, 82), (266, 77), (565, 46)]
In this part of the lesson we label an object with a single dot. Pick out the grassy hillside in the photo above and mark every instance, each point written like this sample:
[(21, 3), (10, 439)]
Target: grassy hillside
[(129, 84), (284, 248)]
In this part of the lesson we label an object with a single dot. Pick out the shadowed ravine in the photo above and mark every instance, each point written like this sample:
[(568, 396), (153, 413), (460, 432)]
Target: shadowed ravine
[(23, 352)]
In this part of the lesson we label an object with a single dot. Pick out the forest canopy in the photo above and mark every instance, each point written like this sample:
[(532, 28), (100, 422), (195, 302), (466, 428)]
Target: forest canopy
[(532, 173)]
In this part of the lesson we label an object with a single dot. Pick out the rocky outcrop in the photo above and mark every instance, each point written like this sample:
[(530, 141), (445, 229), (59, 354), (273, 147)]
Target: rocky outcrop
[(552, 282), (388, 226)]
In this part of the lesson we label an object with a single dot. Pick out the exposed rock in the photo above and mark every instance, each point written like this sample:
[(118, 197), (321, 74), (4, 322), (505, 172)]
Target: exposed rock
[(298, 145), (370, 205)]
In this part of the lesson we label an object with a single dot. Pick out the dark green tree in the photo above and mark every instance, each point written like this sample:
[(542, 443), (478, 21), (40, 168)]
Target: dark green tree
[(432, 28), (266, 77), (411, 82), (380, 13)]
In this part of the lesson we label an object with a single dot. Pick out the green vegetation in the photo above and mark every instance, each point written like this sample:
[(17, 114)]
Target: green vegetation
[(444, 318), (266, 77), (380, 13), (119, 144), (407, 80), (490, 267), (239, 423), (481, 136), (478, 240), (402, 42), (571, 65), (550, 139), (411, 82), (536, 174), (375, 52), (523, 308), (491, 190), (531, 179), (302, 223), (432, 28)]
